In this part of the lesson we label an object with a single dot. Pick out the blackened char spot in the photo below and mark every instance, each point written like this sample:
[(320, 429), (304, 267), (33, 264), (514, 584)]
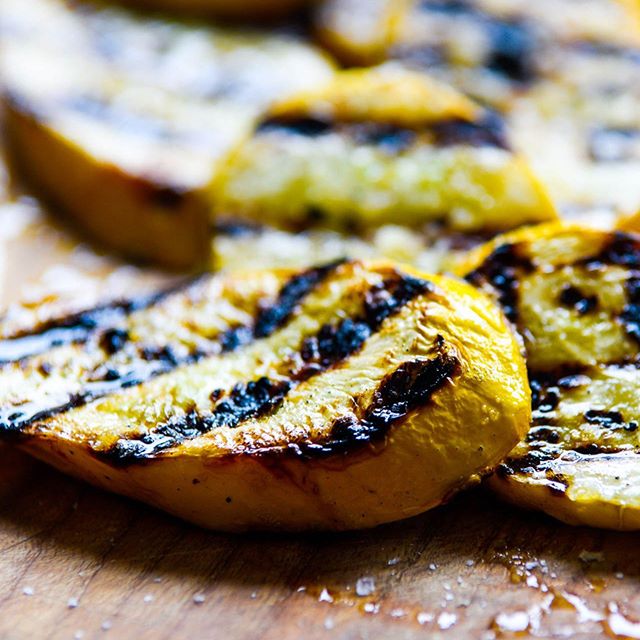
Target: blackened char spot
[(513, 47), (334, 343), (543, 433), (630, 316), (512, 42), (271, 317), (622, 250), (487, 132), (274, 316), (114, 340), (395, 138), (251, 400), (408, 388), (302, 126), (502, 270), (388, 137), (557, 483), (573, 298), (609, 419), (534, 460)]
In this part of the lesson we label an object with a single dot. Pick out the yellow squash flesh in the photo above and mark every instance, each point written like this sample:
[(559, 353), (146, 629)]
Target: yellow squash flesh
[(572, 294), (335, 398)]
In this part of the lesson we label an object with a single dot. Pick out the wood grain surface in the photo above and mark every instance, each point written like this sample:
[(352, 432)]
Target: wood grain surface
[(79, 563)]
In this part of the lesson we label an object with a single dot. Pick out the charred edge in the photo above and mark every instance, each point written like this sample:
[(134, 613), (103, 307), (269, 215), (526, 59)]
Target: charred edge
[(512, 43), (575, 299), (271, 318), (502, 270), (391, 138), (408, 388), (79, 327), (332, 345)]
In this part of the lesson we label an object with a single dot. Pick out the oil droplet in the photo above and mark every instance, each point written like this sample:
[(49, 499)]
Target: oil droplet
[(446, 620)]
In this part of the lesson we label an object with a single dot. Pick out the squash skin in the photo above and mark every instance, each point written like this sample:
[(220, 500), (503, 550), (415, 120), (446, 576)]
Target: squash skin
[(573, 306), (286, 470)]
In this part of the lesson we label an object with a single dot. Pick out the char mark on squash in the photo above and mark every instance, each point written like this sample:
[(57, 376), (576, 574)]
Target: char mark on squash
[(622, 250), (79, 327), (270, 318), (392, 138), (630, 316), (571, 296), (502, 271), (410, 387), (150, 361), (331, 346), (535, 459)]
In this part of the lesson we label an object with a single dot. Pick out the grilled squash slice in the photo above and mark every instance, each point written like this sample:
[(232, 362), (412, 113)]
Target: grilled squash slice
[(121, 119), (337, 397), (379, 146), (572, 293)]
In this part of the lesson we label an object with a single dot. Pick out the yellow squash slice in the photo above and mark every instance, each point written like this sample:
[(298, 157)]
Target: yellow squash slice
[(337, 397), (573, 294), (120, 119), (380, 146)]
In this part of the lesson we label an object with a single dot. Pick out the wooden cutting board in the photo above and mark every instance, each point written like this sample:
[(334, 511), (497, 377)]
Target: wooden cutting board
[(79, 563)]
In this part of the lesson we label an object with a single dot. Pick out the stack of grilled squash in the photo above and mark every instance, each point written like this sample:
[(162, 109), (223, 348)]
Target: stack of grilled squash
[(328, 376)]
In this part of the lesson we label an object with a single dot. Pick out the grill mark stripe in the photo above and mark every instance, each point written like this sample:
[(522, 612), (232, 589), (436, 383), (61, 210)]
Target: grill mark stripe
[(332, 345), (408, 388), (79, 327), (161, 361), (488, 131)]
